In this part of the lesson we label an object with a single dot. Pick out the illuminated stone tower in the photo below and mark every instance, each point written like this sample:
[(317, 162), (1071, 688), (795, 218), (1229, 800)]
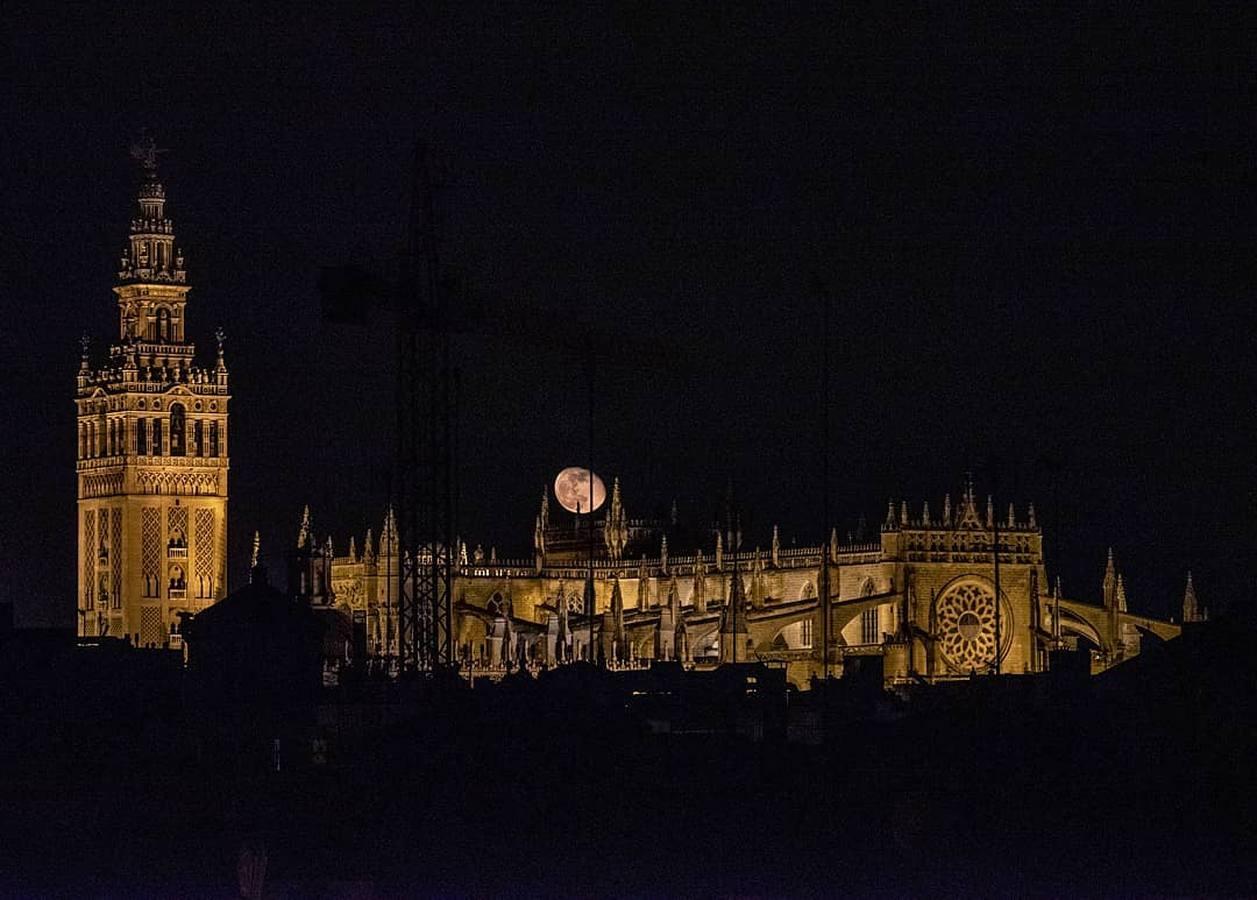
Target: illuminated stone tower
[(152, 448)]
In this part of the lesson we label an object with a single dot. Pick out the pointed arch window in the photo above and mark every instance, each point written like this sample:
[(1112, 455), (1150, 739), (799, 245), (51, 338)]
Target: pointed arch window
[(163, 325), (141, 437), (157, 437), (198, 438), (178, 430), (213, 439)]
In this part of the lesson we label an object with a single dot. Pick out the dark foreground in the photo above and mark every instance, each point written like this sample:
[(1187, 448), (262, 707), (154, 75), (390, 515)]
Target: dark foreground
[(1136, 783)]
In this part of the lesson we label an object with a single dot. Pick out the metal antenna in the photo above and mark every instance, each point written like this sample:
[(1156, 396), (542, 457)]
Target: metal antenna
[(424, 498), (589, 381), (995, 666), (825, 548)]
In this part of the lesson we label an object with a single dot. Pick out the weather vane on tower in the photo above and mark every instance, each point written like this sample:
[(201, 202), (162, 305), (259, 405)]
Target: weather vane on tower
[(144, 149)]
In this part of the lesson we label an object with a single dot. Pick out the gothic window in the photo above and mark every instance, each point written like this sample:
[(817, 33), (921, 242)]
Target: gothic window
[(805, 636), (157, 437), (178, 430), (213, 439), (163, 325), (869, 633), (198, 438), (966, 625), (141, 437), (494, 606)]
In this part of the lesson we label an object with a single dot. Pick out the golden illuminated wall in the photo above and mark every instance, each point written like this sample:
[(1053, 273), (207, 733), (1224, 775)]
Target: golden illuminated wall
[(921, 596)]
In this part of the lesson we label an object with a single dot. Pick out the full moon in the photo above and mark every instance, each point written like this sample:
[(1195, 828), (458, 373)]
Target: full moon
[(571, 488)]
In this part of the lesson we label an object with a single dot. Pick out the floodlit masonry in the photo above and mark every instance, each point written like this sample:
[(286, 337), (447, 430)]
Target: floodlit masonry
[(152, 449), (921, 596)]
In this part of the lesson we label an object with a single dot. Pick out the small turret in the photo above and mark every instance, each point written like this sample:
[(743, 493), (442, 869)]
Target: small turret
[(303, 533), (776, 548), (1108, 587), (388, 534), (925, 514), (947, 511), (1192, 611)]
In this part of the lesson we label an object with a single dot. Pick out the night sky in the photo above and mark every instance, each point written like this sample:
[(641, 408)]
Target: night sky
[(1035, 232)]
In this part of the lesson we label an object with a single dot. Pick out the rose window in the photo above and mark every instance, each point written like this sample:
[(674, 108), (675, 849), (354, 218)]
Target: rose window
[(966, 626)]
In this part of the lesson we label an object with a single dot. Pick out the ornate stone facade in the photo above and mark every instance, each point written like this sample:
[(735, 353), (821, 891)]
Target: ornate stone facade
[(152, 448), (921, 596)]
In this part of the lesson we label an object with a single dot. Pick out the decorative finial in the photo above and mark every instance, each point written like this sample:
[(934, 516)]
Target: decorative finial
[(144, 150), (257, 549), (220, 336), (85, 342), (303, 535)]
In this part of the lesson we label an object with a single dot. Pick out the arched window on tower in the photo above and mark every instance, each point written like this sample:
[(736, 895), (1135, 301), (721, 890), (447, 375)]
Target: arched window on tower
[(82, 442), (198, 438), (141, 437), (157, 437), (163, 325), (178, 433), (213, 439)]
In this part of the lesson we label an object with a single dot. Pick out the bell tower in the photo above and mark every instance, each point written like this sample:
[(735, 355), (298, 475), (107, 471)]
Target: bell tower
[(152, 447)]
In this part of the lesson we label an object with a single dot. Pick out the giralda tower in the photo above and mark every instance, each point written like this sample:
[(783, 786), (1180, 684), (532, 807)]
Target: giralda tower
[(152, 448)]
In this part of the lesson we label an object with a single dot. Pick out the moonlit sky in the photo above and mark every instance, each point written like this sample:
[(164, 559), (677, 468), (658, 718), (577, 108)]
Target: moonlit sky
[(1032, 227)]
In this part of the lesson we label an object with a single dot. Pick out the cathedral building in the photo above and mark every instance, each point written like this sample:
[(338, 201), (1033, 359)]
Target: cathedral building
[(152, 447), (919, 596)]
